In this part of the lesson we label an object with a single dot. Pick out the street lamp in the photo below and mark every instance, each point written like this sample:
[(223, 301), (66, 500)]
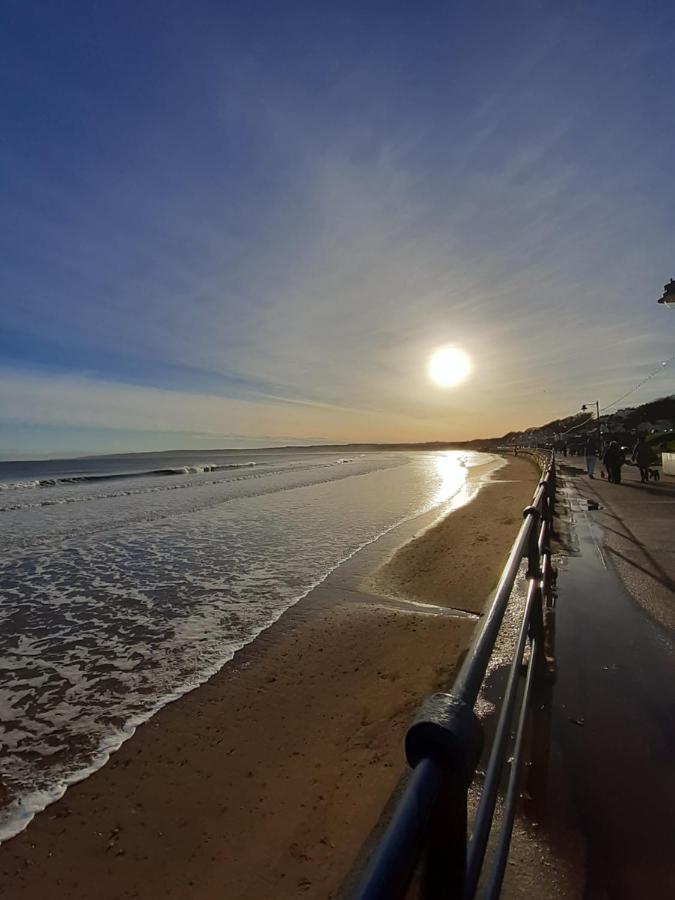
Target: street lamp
[(585, 407), (668, 294)]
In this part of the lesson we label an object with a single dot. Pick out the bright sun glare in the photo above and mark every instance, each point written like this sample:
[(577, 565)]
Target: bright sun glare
[(448, 366)]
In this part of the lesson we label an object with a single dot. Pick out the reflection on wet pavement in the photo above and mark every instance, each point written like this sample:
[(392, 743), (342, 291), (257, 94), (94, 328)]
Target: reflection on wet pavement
[(598, 800)]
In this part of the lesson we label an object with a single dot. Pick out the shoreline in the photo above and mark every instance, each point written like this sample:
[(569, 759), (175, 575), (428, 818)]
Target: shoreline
[(232, 786), (17, 813), (26, 806)]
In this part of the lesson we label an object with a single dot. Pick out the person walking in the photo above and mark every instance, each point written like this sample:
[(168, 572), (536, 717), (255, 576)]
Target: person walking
[(613, 460), (643, 457), (591, 456)]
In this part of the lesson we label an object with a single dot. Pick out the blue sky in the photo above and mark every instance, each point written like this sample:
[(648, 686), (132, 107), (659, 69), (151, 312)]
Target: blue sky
[(251, 222)]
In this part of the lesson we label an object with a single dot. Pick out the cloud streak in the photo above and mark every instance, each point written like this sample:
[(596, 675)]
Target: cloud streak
[(280, 248), (35, 399)]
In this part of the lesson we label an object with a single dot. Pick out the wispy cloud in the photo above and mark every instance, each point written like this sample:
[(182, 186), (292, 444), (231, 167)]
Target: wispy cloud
[(278, 248), (56, 400)]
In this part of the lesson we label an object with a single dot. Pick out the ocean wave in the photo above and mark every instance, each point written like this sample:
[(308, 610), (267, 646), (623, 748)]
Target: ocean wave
[(34, 501), (120, 476), (19, 485), (107, 630)]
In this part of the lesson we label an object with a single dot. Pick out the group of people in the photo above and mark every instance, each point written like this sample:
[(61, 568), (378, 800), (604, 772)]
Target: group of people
[(614, 458)]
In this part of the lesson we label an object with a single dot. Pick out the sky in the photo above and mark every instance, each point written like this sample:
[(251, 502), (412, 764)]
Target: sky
[(249, 223)]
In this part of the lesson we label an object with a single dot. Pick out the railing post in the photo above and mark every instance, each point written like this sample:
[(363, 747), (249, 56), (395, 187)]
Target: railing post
[(537, 572), (533, 567), (551, 492), (444, 861), (537, 620), (447, 730), (549, 570)]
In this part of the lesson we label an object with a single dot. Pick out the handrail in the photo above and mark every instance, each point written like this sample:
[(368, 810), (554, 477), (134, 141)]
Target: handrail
[(427, 835)]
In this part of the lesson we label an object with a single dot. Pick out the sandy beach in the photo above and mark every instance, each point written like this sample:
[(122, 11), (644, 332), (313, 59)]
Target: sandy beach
[(266, 780)]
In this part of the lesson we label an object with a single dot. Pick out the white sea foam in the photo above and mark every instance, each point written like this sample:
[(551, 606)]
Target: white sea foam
[(99, 477), (114, 607), (19, 485)]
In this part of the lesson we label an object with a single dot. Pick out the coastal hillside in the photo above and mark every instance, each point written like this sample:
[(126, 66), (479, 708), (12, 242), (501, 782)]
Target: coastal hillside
[(657, 417)]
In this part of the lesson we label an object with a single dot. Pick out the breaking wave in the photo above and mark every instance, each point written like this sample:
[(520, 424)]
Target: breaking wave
[(111, 612), (121, 476)]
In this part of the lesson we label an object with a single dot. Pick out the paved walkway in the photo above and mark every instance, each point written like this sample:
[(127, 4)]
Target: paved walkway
[(602, 784), (637, 533)]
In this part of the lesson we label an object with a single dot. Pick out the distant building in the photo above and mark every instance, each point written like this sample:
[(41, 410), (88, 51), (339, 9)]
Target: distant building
[(659, 426)]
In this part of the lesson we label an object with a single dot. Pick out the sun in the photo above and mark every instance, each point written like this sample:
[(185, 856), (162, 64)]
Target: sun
[(448, 366)]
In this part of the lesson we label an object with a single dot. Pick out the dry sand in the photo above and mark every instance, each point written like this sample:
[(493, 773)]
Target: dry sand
[(265, 781)]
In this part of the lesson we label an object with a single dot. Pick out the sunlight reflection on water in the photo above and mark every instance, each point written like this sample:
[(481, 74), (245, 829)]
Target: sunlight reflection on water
[(118, 600), (453, 473)]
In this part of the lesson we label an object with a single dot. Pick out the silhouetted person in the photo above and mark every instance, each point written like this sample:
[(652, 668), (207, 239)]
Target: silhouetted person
[(644, 457), (613, 460)]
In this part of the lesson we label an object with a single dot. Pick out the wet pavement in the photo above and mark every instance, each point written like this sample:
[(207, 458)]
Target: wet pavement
[(601, 787), (637, 533)]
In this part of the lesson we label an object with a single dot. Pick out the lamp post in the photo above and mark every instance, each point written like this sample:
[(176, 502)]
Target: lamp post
[(584, 408)]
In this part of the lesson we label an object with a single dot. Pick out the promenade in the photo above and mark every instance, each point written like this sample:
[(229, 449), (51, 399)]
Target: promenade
[(637, 531), (601, 790)]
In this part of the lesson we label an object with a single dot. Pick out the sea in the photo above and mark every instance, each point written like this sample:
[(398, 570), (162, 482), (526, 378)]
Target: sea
[(126, 581)]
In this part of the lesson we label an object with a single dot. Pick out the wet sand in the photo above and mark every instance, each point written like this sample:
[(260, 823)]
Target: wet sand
[(265, 781)]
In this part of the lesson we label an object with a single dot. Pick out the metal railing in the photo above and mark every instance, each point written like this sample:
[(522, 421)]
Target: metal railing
[(426, 839)]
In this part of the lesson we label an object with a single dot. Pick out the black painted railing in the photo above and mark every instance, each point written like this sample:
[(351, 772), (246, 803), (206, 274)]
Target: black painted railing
[(425, 851)]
